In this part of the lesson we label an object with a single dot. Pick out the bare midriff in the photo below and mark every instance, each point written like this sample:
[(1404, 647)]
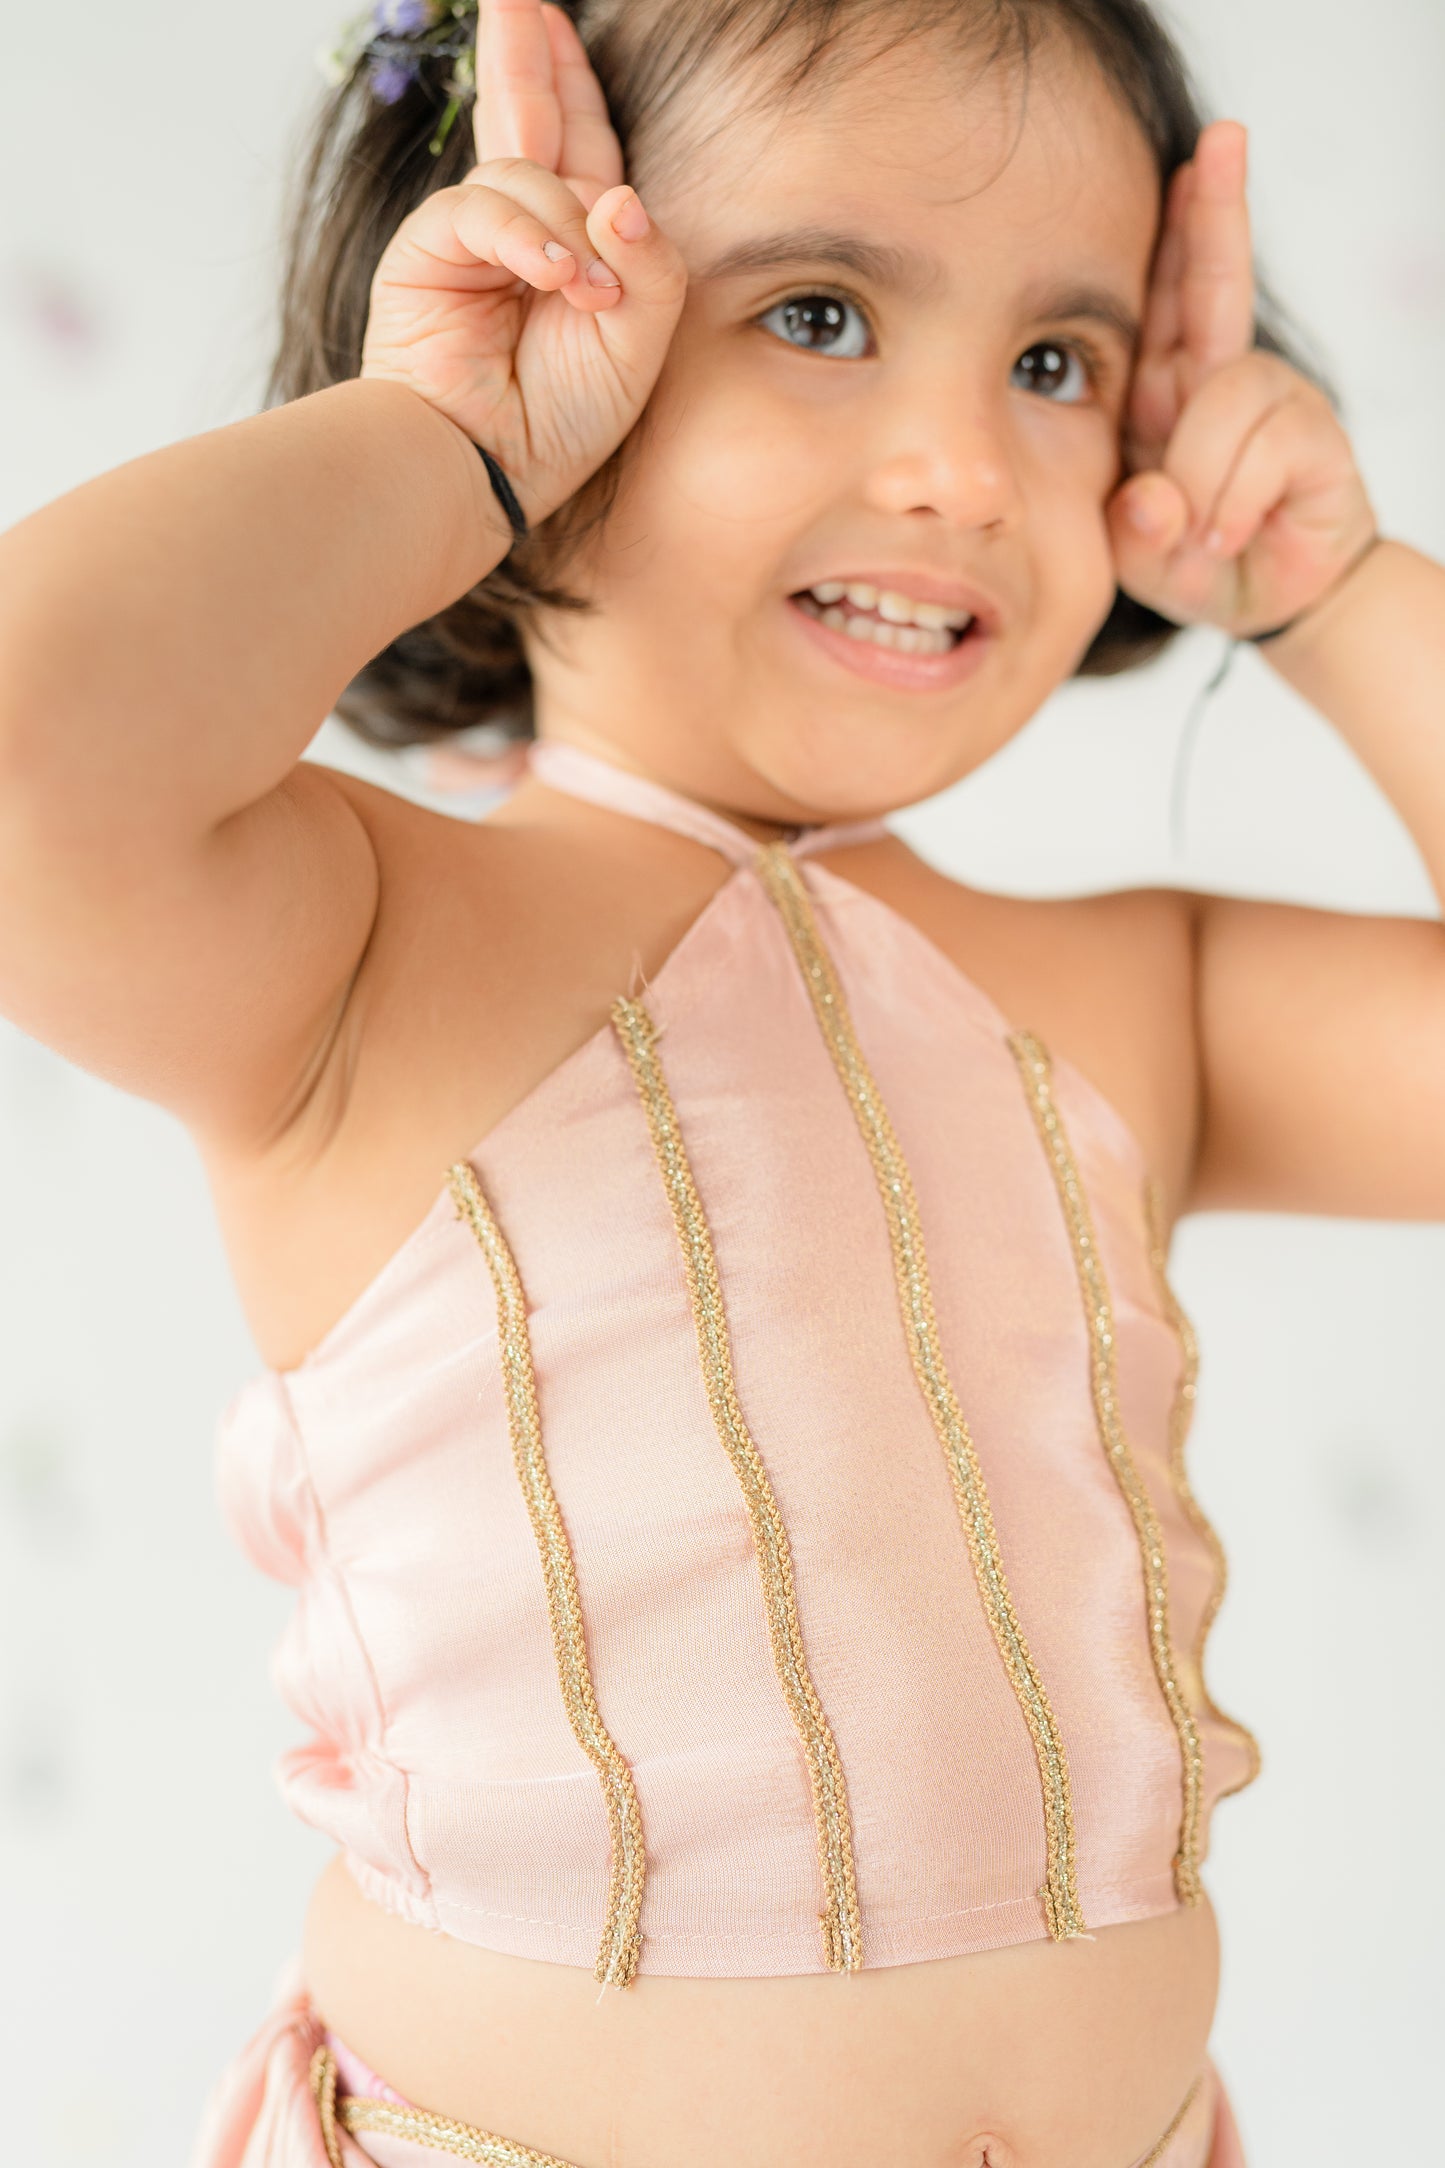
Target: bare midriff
[(1042, 2055)]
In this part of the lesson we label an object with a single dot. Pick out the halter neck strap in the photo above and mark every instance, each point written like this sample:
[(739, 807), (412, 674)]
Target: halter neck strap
[(567, 767)]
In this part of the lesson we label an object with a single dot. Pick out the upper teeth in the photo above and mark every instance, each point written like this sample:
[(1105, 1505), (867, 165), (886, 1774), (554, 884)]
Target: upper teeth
[(893, 608)]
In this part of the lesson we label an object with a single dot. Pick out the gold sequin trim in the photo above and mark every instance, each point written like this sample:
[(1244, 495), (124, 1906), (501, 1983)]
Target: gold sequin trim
[(443, 2135), (1161, 2145), (322, 2075), (467, 2142), (780, 877), (1181, 1417), (618, 1954), (1035, 1069), (842, 1938)]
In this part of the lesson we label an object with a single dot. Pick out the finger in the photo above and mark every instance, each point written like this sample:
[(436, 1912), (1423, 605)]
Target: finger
[(654, 287), (1154, 561), (471, 229), (528, 221), (590, 151), (1163, 323), (1155, 389), (1217, 283), (551, 199), (1258, 482), (586, 192), (1148, 520), (517, 113), (1225, 411), (1287, 457)]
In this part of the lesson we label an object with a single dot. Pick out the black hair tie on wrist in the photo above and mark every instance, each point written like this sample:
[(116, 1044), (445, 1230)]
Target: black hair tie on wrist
[(1257, 639), (506, 495), (1277, 631)]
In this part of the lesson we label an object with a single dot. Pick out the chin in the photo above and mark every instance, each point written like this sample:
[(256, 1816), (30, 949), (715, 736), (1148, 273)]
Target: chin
[(826, 746), (833, 767)]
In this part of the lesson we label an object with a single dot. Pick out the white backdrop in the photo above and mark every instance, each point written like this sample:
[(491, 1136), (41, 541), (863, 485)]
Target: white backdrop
[(151, 1882)]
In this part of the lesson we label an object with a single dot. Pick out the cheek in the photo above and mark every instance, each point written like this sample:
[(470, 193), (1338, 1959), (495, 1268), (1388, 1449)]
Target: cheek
[(1070, 487), (722, 450)]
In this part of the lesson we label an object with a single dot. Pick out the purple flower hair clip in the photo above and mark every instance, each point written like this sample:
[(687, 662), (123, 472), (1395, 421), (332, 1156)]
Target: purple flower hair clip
[(399, 40)]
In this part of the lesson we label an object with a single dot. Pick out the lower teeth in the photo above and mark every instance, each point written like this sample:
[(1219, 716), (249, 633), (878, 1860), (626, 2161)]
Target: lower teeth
[(903, 639)]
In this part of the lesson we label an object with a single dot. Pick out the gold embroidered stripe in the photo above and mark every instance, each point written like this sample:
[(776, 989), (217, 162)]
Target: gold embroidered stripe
[(1035, 1070), (1181, 1417), (618, 1953), (785, 886), (842, 1938)]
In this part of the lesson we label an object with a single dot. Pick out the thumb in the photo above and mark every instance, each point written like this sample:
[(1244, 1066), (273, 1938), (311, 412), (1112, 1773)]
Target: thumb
[(1148, 519), (653, 275)]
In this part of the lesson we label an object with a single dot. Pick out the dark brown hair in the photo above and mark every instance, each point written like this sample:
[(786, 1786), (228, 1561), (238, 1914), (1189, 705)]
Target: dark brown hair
[(367, 165)]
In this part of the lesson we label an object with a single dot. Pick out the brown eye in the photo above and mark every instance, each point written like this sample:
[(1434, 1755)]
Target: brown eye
[(818, 323), (1056, 370)]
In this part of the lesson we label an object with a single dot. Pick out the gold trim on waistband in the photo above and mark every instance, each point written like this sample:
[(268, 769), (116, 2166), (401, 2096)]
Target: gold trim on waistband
[(618, 1954), (467, 2142), (1181, 1418), (1157, 2151), (842, 1935), (442, 2135), (322, 2078), (785, 886), (359, 2112), (1035, 1068)]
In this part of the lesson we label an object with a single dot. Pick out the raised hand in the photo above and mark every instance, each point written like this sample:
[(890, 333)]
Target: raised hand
[(538, 99), (1243, 503), (533, 303)]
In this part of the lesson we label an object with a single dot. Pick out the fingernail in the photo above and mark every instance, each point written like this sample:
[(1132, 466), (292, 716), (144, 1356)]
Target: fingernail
[(598, 274), (555, 250), (629, 219), (1140, 513), (1214, 542)]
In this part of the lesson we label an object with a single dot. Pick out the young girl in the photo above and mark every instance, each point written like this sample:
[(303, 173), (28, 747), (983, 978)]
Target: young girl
[(750, 1600)]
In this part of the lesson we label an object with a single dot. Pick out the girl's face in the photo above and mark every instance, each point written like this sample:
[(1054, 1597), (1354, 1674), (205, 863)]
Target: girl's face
[(903, 362)]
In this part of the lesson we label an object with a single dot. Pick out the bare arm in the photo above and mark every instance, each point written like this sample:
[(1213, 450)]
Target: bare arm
[(1323, 1033), (1320, 1035), (182, 907)]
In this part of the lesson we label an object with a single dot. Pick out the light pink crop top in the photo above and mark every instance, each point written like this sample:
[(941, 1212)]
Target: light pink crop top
[(744, 1529)]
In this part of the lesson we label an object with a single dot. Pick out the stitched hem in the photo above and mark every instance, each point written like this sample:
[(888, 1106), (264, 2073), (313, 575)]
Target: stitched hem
[(766, 1951)]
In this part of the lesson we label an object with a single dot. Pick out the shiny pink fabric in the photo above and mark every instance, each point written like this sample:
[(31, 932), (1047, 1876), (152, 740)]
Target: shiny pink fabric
[(378, 1480)]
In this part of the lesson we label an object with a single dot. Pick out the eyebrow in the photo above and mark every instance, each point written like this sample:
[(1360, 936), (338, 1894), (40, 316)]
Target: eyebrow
[(907, 271), (910, 272)]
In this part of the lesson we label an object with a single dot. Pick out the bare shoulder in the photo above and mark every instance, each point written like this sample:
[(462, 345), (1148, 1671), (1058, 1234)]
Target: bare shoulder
[(496, 949), (356, 1158), (1106, 981)]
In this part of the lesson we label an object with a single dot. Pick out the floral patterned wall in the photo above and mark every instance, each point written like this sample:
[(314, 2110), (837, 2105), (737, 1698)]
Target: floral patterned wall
[(151, 1884)]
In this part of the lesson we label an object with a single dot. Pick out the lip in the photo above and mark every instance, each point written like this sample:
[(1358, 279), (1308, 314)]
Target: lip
[(886, 666), (920, 586)]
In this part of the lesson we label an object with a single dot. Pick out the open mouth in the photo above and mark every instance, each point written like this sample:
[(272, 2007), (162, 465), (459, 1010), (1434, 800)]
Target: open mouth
[(883, 618)]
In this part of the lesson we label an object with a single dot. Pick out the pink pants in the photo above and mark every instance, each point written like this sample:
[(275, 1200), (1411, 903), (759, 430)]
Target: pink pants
[(295, 2097)]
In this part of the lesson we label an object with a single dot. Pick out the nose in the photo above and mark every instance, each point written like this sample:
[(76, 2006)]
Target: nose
[(944, 452)]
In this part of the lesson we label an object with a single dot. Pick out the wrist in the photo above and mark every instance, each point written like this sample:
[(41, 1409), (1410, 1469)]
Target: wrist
[(484, 534), (492, 528), (1295, 639)]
